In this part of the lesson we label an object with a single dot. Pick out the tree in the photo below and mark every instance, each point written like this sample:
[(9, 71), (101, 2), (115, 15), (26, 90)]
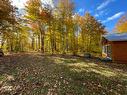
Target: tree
[(91, 33), (121, 26), (38, 14), (7, 14), (65, 8), (7, 20)]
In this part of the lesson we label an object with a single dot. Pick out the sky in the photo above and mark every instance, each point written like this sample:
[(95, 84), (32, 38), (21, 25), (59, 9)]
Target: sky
[(107, 12)]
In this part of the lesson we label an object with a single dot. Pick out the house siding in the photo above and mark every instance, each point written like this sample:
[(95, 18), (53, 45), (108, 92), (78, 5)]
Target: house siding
[(119, 51)]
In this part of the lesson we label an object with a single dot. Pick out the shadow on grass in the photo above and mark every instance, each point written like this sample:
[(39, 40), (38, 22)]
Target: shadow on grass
[(36, 74)]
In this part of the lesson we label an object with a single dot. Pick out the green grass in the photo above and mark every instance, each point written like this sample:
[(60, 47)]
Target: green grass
[(60, 75)]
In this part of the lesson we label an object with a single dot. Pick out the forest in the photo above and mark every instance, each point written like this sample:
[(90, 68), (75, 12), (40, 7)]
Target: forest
[(47, 29)]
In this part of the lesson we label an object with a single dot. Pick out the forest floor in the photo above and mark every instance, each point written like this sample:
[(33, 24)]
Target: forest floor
[(36, 74)]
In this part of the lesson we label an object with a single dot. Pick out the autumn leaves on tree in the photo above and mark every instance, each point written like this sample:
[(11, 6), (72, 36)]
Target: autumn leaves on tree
[(121, 26), (53, 29), (7, 21)]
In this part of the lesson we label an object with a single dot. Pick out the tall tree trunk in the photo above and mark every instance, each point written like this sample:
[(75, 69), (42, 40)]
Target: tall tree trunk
[(36, 43), (42, 32), (11, 46), (39, 42), (33, 43), (42, 41)]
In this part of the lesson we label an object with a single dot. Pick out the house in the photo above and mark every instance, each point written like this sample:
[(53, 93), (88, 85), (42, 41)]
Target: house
[(115, 47)]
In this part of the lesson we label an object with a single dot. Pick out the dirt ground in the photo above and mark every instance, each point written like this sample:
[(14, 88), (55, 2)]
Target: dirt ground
[(36, 74)]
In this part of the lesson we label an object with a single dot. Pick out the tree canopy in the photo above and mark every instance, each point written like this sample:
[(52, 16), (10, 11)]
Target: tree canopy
[(50, 29), (7, 14), (121, 26)]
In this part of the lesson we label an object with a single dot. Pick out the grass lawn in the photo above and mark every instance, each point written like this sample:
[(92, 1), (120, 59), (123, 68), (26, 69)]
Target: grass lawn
[(35, 74)]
